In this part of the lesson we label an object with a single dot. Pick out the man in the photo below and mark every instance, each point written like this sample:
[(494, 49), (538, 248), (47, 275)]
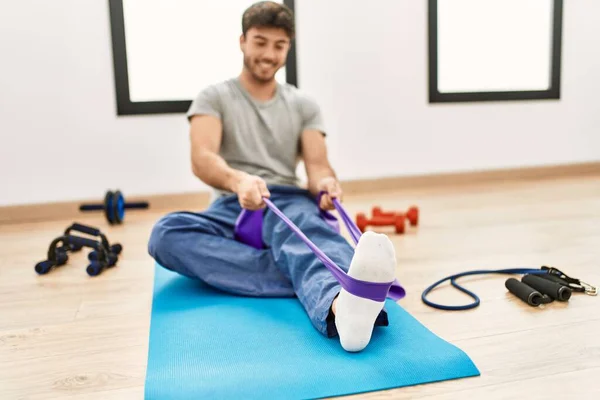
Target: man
[(247, 135)]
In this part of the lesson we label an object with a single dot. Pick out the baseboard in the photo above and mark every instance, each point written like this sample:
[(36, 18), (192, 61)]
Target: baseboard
[(68, 210), (396, 183), (199, 200)]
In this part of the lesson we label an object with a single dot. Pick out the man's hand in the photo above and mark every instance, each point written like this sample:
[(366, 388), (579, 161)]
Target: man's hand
[(250, 190), (333, 189)]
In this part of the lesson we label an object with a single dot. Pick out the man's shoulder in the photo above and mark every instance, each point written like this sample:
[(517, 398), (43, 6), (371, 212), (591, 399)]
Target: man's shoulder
[(298, 95), (219, 87), (292, 90), (213, 98)]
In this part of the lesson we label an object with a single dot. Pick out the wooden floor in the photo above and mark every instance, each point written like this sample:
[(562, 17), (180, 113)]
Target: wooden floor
[(68, 336)]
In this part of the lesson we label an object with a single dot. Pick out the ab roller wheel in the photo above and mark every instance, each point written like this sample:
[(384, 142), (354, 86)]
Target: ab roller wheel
[(114, 207)]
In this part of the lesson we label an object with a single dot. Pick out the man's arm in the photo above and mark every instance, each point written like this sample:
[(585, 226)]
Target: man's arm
[(319, 171), (316, 162), (206, 132)]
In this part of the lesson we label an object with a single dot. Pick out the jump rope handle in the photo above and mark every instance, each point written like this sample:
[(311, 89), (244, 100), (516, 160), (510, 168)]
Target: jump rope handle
[(535, 290), (553, 289), (526, 293)]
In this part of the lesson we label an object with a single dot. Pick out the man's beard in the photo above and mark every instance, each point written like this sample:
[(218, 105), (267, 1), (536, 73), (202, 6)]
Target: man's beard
[(251, 68)]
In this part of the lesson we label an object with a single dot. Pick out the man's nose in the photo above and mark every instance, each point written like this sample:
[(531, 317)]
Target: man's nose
[(269, 55)]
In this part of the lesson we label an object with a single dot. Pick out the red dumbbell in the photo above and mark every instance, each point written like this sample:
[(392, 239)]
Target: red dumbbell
[(397, 221), (378, 212), (412, 214)]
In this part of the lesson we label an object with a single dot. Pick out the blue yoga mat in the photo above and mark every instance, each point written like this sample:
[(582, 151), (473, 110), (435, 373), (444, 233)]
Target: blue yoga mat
[(206, 344)]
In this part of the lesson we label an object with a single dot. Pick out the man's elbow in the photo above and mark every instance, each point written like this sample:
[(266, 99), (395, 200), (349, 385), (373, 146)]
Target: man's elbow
[(198, 164), (196, 170)]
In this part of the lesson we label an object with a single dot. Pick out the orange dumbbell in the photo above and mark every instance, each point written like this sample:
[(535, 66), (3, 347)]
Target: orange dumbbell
[(412, 214), (397, 221)]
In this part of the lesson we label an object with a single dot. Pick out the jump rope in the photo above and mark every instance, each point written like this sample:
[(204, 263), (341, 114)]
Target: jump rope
[(538, 286)]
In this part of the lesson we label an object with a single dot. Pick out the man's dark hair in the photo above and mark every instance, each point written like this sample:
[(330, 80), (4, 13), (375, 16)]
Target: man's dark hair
[(269, 14)]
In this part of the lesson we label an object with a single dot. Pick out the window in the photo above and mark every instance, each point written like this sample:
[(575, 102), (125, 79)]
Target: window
[(165, 52), (487, 50)]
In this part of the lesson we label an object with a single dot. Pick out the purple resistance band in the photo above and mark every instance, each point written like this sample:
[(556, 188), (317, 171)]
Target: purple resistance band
[(248, 229)]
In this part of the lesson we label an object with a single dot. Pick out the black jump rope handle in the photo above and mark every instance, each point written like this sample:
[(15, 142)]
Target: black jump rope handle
[(553, 289), (526, 293), (535, 290)]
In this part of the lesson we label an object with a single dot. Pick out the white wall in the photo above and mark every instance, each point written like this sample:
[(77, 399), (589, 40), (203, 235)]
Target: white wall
[(369, 69), (61, 138)]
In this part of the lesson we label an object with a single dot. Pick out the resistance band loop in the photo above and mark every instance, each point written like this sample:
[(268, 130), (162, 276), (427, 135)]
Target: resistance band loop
[(372, 290)]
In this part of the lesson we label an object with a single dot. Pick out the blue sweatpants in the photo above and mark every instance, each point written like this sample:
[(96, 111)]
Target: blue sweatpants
[(201, 245)]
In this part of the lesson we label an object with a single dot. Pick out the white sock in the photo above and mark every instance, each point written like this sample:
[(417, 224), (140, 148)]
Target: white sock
[(374, 261)]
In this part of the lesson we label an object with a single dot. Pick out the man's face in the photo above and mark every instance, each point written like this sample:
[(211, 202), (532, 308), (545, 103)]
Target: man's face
[(265, 52)]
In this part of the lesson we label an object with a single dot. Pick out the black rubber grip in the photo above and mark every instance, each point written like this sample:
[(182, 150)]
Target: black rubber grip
[(93, 256), (524, 292), (95, 268), (79, 241), (85, 229), (61, 258), (116, 248), (44, 267), (553, 289), (112, 259)]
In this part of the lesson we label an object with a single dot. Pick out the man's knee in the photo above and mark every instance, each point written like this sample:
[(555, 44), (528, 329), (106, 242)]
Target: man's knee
[(176, 230), (161, 235), (170, 230)]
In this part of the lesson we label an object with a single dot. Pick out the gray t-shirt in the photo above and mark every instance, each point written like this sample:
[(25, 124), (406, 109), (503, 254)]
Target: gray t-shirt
[(260, 138)]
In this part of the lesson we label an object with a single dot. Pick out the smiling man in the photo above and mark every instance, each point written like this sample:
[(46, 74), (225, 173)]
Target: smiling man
[(247, 136)]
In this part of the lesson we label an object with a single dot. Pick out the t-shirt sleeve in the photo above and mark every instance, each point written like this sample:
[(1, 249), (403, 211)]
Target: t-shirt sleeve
[(207, 102), (312, 116)]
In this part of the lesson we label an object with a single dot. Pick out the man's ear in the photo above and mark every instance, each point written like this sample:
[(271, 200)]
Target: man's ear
[(242, 42)]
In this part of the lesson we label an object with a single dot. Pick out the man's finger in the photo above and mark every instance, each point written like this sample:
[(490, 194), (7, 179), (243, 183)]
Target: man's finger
[(262, 187), (256, 197), (326, 203), (334, 189), (323, 203)]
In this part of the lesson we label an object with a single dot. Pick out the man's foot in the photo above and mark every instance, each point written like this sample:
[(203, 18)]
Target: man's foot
[(374, 261)]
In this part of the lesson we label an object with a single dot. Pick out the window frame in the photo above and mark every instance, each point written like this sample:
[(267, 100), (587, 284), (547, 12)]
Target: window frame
[(121, 75), (553, 92)]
